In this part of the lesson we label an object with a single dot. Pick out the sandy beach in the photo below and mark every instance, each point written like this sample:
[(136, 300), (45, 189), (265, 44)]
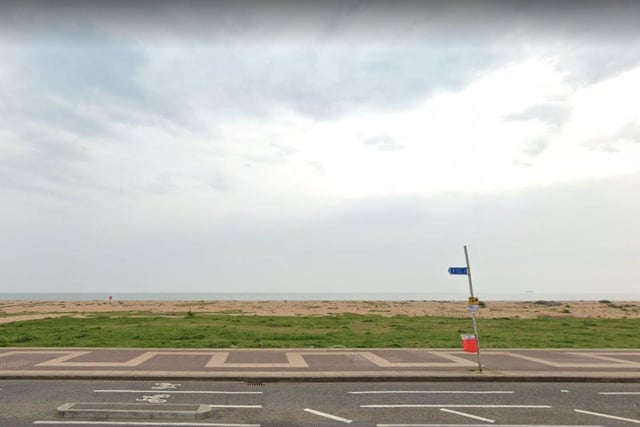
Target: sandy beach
[(25, 310)]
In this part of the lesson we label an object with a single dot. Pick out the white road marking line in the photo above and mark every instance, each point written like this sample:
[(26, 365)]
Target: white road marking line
[(480, 425), (457, 406), (475, 417), (236, 406), (140, 423), (430, 392), (613, 417), (332, 417), (180, 392), (619, 393)]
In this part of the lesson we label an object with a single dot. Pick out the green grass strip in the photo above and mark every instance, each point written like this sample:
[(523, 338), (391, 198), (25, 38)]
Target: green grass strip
[(346, 330)]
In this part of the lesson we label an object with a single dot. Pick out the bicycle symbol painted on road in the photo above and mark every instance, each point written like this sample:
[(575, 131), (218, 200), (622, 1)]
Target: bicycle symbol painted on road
[(156, 398)]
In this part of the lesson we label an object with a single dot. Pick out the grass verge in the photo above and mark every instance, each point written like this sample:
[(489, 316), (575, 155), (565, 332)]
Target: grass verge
[(345, 330)]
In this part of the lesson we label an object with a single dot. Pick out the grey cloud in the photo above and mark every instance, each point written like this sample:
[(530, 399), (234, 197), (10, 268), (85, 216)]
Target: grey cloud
[(86, 67), (550, 113), (325, 82), (303, 56), (586, 62), (382, 79), (67, 94), (167, 183), (535, 147), (385, 245), (630, 132), (48, 165), (383, 142), (605, 145), (83, 82), (376, 20), (324, 59)]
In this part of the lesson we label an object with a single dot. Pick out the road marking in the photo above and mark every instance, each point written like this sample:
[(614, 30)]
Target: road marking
[(619, 393), (430, 392), (236, 406), (481, 425), (457, 406), (181, 392), (166, 386), (139, 423), (475, 417), (331, 417), (613, 417), (156, 398), (613, 362)]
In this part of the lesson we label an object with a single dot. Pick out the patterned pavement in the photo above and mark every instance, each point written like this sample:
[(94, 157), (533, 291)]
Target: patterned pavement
[(315, 363)]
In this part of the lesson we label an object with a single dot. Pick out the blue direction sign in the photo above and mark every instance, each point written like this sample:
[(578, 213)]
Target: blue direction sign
[(458, 270)]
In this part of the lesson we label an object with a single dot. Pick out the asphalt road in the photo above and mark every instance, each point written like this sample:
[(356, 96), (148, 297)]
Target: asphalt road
[(34, 402)]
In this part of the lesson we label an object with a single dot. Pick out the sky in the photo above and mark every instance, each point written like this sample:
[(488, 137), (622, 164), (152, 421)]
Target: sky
[(352, 146)]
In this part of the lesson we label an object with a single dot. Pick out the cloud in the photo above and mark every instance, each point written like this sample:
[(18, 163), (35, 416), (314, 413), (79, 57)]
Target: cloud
[(319, 81), (552, 114), (536, 147), (385, 244), (383, 142), (323, 61), (255, 56), (628, 133)]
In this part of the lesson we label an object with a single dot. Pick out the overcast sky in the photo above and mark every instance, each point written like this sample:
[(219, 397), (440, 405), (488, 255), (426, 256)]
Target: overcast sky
[(320, 147)]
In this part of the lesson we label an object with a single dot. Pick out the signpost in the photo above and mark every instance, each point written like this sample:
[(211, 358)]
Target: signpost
[(473, 301)]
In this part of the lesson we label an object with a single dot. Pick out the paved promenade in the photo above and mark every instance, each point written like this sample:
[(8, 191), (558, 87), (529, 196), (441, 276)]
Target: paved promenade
[(320, 364)]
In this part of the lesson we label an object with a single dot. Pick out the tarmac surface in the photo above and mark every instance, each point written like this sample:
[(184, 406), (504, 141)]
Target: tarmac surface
[(262, 365)]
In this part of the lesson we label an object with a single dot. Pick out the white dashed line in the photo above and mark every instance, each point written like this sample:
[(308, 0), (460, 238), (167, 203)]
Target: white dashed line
[(456, 406), (140, 423), (612, 417), (182, 392), (331, 417), (475, 417), (619, 393), (481, 425), (430, 392)]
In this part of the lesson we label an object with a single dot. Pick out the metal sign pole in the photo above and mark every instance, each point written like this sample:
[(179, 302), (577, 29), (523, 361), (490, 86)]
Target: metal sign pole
[(473, 312)]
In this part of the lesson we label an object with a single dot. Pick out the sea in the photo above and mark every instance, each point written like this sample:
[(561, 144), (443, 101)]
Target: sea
[(304, 296)]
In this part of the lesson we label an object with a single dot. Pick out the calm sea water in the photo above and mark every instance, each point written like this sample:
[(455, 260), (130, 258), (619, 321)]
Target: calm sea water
[(270, 296)]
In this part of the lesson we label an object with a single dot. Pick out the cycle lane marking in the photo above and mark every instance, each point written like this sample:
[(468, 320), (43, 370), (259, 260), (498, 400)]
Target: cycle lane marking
[(483, 425), (403, 405), (331, 417), (612, 417), (619, 393), (141, 423), (430, 392), (183, 392), (464, 414)]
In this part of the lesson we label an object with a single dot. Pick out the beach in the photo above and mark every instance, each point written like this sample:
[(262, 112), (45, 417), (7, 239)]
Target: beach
[(11, 311)]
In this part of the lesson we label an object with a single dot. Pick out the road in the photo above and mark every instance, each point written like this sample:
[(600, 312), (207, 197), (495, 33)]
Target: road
[(389, 404)]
